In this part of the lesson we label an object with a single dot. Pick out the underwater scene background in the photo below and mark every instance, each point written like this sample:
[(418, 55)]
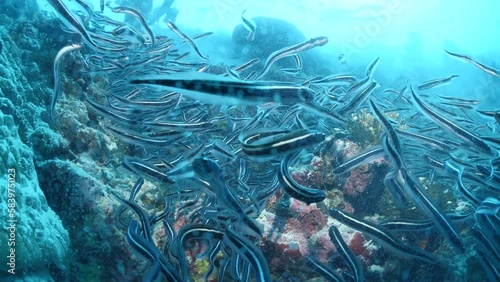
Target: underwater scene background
[(234, 140)]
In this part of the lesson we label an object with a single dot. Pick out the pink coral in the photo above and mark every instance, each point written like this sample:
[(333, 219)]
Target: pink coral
[(300, 176), (316, 174), (292, 243), (309, 218), (288, 247), (323, 249), (346, 148), (358, 181)]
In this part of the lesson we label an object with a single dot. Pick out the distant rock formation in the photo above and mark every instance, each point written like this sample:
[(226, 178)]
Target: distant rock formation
[(271, 35)]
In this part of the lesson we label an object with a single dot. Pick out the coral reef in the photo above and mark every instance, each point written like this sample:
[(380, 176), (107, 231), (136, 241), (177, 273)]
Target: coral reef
[(19, 9), (70, 231), (364, 128), (66, 153), (37, 235)]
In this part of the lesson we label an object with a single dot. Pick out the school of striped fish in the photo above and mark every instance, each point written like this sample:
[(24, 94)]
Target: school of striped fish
[(227, 139)]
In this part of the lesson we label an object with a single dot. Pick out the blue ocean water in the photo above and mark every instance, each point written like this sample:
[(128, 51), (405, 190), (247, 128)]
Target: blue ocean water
[(234, 140)]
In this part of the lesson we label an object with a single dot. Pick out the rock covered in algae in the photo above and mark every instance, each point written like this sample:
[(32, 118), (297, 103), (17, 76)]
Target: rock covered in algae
[(36, 234)]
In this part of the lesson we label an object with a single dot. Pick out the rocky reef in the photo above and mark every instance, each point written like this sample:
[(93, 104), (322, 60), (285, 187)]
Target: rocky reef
[(34, 236), (66, 170), (65, 216)]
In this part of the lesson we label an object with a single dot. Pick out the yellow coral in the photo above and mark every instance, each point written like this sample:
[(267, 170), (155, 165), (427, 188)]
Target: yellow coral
[(364, 128)]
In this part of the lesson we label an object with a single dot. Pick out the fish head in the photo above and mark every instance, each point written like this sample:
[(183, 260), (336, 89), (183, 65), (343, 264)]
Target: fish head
[(205, 166), (306, 94)]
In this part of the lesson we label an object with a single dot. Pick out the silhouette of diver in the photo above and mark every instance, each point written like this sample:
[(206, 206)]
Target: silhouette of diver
[(152, 16), (165, 9)]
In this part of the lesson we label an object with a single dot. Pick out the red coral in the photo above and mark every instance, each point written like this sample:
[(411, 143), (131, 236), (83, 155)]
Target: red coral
[(357, 181), (348, 207), (300, 176), (317, 163), (357, 244), (300, 208)]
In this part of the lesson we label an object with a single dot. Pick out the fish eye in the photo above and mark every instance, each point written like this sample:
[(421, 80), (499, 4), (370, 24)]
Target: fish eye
[(205, 166), (198, 166), (306, 94)]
